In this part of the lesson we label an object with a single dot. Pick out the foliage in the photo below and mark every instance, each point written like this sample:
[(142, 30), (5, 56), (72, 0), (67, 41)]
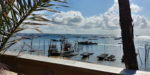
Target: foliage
[(14, 12)]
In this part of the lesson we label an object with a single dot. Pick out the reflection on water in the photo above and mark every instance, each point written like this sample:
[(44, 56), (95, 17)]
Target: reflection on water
[(109, 45)]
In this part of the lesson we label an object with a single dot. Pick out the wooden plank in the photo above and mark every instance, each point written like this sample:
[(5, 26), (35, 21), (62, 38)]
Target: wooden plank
[(40, 65)]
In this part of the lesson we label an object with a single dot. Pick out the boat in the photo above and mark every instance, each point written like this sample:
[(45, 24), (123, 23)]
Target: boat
[(55, 40), (120, 43), (53, 51), (93, 39), (110, 58), (102, 56), (70, 55), (117, 38), (25, 37), (32, 50), (66, 49), (87, 43), (86, 54)]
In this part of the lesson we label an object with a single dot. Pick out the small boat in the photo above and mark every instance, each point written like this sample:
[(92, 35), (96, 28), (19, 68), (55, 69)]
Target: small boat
[(66, 49), (66, 53), (87, 43), (92, 39), (110, 58), (102, 56), (25, 37), (120, 43), (86, 54), (55, 40), (53, 51), (70, 55), (117, 38), (32, 50)]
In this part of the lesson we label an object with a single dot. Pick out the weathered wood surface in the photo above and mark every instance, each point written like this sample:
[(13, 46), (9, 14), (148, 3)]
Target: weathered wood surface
[(40, 65)]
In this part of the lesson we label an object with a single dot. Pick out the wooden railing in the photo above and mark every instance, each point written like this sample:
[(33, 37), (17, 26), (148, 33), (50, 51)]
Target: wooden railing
[(40, 65)]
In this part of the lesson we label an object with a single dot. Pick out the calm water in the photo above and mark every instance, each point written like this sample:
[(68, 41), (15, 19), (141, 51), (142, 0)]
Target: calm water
[(106, 44)]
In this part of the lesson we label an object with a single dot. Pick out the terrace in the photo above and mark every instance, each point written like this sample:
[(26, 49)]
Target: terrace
[(13, 14), (39, 65)]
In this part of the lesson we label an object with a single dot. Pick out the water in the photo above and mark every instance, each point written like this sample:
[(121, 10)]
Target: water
[(106, 44)]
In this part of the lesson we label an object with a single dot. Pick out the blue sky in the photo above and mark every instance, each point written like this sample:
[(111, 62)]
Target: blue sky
[(145, 4), (95, 7), (96, 17), (89, 7)]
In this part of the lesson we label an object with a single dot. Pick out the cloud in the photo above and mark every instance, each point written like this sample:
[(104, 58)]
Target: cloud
[(141, 22), (135, 8), (107, 20), (115, 8), (71, 18), (76, 19), (105, 23)]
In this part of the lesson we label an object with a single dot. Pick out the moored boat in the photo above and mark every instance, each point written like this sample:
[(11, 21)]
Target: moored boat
[(102, 56), (53, 51), (86, 54), (87, 43)]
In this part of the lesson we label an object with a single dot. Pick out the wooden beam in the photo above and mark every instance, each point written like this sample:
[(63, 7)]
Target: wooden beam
[(40, 65)]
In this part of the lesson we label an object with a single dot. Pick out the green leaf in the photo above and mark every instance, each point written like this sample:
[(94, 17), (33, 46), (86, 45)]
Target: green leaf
[(47, 9), (13, 14), (31, 23)]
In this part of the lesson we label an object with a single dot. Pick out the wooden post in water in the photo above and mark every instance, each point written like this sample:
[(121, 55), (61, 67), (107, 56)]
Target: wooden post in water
[(127, 35), (104, 45), (39, 47), (44, 47), (31, 45)]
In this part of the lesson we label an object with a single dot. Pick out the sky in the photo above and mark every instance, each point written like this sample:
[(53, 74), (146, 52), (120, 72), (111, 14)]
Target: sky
[(96, 17)]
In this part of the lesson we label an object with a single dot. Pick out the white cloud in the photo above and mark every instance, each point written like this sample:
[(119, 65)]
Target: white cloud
[(106, 23), (135, 8), (141, 22), (72, 18), (107, 20)]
